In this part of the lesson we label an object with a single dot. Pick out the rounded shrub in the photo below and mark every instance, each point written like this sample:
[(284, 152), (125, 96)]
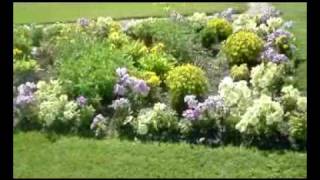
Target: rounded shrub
[(240, 72), (208, 37), (217, 30), (184, 80), (243, 47), (222, 27)]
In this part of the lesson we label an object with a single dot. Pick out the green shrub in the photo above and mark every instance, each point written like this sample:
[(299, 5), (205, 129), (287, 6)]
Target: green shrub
[(92, 72), (135, 50), (22, 39), (184, 80), (240, 72), (157, 61), (222, 27), (178, 37), (36, 35), (208, 37), (243, 47)]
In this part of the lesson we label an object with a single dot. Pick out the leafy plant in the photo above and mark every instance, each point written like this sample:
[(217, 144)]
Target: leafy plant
[(184, 80), (92, 73), (243, 47)]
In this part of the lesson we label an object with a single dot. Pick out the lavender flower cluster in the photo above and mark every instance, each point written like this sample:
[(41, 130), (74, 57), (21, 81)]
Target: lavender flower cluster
[(81, 101), (96, 120), (267, 13), (120, 103), (25, 94), (196, 109), (83, 22), (126, 82), (227, 14), (270, 54), (271, 38)]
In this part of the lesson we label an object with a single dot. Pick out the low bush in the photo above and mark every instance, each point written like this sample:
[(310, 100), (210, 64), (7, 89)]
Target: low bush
[(243, 47), (184, 80)]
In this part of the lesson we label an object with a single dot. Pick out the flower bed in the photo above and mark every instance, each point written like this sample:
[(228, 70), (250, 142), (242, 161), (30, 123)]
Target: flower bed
[(212, 80)]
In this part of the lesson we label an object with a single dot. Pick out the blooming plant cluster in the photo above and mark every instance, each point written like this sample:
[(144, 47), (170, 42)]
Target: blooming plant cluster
[(128, 83), (212, 107), (99, 125)]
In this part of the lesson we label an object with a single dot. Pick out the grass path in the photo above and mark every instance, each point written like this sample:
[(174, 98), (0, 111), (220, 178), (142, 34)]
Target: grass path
[(74, 157)]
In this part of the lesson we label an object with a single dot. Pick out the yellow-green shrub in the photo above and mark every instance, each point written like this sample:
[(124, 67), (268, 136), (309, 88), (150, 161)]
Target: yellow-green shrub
[(240, 72), (222, 26), (184, 80), (243, 47)]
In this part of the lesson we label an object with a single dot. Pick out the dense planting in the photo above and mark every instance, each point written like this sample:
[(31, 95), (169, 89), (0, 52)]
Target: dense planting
[(154, 80)]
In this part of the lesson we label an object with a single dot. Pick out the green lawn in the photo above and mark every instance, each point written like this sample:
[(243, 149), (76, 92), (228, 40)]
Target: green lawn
[(36, 156), (51, 12), (298, 13)]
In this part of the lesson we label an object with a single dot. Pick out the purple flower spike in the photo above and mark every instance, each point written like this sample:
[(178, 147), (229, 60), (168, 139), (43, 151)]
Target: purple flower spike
[(141, 87), (81, 101), (83, 22), (119, 90), (121, 71), (191, 114)]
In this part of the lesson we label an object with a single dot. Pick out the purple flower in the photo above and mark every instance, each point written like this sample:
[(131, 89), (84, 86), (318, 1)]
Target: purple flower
[(191, 114), (120, 104), (97, 119), (267, 13), (25, 94), (227, 14), (141, 87), (121, 71), (214, 102), (83, 22), (191, 101), (24, 100), (119, 90), (279, 32), (81, 101), (124, 80), (270, 54)]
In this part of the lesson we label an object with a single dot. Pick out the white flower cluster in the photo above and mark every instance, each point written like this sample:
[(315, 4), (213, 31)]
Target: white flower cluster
[(197, 17), (236, 95), (155, 119), (244, 21), (53, 105), (266, 76), (99, 125), (263, 113), (274, 23)]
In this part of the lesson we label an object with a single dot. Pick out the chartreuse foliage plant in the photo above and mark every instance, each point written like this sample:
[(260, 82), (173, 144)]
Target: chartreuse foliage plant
[(243, 47), (217, 30), (183, 80), (240, 72)]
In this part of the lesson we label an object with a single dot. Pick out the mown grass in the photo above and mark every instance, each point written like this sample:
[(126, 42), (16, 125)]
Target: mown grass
[(297, 12), (51, 12), (71, 157)]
